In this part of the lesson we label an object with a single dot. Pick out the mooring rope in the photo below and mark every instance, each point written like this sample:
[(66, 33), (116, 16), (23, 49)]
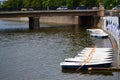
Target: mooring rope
[(87, 60)]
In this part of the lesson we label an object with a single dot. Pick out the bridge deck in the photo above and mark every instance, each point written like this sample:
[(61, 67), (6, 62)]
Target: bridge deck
[(48, 13)]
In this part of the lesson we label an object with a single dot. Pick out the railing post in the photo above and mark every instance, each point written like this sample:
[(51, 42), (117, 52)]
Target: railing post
[(34, 23), (101, 8), (101, 13)]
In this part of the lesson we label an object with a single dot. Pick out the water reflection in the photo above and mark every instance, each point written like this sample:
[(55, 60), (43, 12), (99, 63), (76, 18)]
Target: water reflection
[(92, 72)]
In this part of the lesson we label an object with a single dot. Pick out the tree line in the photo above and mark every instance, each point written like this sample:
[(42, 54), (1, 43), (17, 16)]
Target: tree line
[(55, 3)]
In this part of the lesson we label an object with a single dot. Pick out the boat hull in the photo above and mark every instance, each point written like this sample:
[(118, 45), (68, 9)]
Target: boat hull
[(85, 67), (99, 36)]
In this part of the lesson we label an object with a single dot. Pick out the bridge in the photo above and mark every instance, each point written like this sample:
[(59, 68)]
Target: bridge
[(85, 16), (48, 13), (35, 15)]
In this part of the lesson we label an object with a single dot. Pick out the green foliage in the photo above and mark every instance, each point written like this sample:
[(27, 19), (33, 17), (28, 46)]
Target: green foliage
[(27, 3), (11, 4), (55, 3), (69, 3), (111, 3)]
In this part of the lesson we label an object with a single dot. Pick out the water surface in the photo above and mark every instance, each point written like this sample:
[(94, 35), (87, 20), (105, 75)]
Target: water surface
[(35, 55)]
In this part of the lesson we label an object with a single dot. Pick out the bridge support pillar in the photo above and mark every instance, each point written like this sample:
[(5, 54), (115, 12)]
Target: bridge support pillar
[(34, 23), (76, 20)]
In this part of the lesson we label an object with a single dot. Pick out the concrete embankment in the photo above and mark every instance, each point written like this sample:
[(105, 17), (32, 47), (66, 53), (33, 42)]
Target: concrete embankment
[(114, 38)]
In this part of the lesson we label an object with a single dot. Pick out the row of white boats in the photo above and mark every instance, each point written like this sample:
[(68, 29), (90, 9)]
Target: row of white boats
[(89, 58), (98, 33)]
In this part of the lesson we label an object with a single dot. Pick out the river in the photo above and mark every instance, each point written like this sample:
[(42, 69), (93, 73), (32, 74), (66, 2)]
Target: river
[(36, 54)]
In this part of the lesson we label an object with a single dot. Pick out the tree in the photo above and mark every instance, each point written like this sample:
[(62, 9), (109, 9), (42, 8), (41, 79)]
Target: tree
[(27, 3), (69, 3), (37, 3), (56, 3), (111, 3), (12, 4)]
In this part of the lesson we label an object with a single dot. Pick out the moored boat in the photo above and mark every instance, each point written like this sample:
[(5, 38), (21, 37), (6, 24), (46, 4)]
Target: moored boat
[(78, 65), (98, 49), (95, 56), (101, 35), (82, 60), (89, 57), (98, 33), (94, 30)]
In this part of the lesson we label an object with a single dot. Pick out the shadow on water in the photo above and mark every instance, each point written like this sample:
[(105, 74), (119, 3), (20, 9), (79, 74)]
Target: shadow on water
[(90, 72), (54, 28)]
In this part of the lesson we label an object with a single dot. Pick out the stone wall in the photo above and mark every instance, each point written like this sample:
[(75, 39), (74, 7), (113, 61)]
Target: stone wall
[(111, 25)]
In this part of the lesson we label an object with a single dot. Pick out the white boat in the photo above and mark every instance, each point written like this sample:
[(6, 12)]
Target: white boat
[(78, 65), (95, 30), (83, 60), (101, 35), (99, 48), (95, 57), (89, 57), (98, 53)]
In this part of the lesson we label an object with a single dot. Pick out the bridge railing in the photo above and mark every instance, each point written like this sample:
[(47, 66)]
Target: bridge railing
[(112, 13), (35, 8), (42, 8)]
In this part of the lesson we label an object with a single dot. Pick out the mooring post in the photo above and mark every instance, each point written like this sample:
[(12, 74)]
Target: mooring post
[(34, 23)]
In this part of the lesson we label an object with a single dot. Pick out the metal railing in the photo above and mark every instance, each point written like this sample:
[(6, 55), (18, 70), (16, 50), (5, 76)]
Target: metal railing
[(112, 13)]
